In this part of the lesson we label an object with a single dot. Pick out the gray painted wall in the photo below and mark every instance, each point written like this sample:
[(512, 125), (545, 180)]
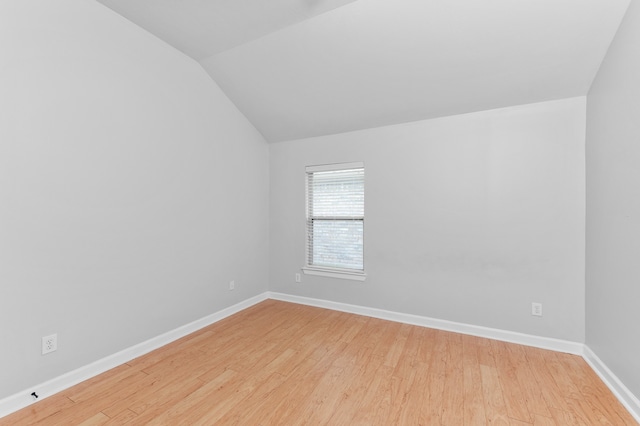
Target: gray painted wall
[(131, 189), (469, 218), (613, 206)]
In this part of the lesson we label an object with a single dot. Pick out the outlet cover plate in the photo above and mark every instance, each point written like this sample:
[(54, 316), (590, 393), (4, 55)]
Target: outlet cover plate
[(49, 344), (536, 309)]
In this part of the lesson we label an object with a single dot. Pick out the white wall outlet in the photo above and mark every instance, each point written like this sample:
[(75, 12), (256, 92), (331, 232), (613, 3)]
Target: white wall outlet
[(232, 285), (536, 309), (49, 343), (298, 278)]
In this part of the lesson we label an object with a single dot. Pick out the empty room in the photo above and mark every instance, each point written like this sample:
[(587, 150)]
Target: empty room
[(320, 212)]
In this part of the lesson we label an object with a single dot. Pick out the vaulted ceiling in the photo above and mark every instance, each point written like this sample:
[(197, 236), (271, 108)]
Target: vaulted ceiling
[(302, 68)]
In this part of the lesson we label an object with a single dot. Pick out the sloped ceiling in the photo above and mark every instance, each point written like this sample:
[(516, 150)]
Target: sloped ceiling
[(202, 28), (302, 68)]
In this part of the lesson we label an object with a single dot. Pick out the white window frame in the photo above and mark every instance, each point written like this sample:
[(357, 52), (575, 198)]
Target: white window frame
[(310, 269)]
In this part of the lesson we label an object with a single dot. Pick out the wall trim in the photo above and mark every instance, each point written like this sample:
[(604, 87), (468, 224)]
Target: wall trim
[(624, 395), (23, 399), (456, 327), (621, 392)]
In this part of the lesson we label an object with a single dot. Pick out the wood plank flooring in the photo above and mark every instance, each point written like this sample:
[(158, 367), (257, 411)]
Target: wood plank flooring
[(278, 363)]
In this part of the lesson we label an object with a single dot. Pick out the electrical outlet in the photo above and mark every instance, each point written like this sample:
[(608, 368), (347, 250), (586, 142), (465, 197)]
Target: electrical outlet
[(49, 344), (232, 285), (536, 309), (298, 278)]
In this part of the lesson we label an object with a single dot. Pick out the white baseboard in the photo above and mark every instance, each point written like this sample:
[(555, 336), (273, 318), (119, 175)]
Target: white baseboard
[(624, 395), (23, 399), (456, 327)]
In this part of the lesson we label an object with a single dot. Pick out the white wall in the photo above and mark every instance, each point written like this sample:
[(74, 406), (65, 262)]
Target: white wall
[(613, 206), (469, 218), (131, 189)]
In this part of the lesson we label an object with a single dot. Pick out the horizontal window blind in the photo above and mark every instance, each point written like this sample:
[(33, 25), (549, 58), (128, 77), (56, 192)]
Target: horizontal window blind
[(335, 217)]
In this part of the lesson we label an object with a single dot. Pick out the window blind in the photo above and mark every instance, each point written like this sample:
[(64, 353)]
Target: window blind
[(335, 216)]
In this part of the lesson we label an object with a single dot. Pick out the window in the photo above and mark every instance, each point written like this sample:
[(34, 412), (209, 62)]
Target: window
[(335, 221)]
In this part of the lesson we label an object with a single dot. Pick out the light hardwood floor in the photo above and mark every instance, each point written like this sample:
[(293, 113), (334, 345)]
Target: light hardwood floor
[(278, 363)]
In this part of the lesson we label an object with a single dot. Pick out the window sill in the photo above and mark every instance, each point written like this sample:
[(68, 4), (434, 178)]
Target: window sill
[(334, 273)]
